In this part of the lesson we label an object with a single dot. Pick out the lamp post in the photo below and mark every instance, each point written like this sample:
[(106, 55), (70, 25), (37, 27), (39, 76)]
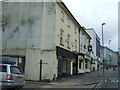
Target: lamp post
[(109, 54), (109, 43), (103, 47)]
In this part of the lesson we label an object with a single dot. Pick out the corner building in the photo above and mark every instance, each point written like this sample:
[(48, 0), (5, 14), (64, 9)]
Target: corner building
[(43, 38)]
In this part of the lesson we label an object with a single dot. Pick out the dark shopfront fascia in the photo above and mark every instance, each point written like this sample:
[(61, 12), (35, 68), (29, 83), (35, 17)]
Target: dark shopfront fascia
[(63, 56)]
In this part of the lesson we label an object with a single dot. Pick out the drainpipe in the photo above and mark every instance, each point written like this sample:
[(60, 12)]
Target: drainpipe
[(79, 38), (79, 45), (40, 76)]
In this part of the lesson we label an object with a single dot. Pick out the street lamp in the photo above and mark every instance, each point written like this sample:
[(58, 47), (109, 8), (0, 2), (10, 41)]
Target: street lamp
[(109, 55), (109, 43), (103, 46)]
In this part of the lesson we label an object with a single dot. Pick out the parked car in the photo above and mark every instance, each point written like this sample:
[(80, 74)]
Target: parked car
[(113, 67), (116, 66), (11, 76)]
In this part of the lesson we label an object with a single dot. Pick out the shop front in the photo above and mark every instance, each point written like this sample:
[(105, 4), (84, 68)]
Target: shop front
[(87, 63), (81, 63), (67, 62)]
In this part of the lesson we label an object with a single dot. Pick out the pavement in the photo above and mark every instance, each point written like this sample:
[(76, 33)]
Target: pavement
[(86, 80)]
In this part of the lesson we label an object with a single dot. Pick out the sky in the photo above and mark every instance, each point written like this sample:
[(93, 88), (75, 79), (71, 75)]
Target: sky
[(92, 13)]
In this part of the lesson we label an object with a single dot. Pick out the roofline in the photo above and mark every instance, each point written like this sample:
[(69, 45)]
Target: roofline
[(91, 29), (68, 11), (84, 29), (94, 31), (109, 49)]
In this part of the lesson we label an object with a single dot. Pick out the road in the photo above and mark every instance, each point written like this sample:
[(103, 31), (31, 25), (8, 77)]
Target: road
[(112, 81), (87, 80)]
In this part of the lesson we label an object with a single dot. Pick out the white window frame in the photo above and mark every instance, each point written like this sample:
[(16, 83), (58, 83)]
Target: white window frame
[(68, 22), (75, 27), (75, 45), (61, 37), (62, 16), (68, 41)]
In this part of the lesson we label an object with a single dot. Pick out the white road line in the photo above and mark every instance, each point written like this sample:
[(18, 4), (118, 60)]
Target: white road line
[(99, 85), (105, 81)]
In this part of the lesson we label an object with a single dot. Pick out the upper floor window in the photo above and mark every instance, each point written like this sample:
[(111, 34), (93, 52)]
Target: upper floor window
[(62, 15), (61, 37), (84, 46), (68, 41), (81, 48), (68, 22), (75, 28), (75, 45)]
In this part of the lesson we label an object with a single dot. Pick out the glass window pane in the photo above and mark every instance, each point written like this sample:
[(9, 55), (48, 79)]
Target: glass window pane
[(15, 70), (62, 15), (3, 68)]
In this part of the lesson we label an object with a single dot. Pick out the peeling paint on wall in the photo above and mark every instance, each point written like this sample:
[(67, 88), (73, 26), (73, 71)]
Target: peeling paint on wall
[(29, 31)]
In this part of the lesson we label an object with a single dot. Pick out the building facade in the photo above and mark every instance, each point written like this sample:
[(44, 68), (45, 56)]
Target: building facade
[(43, 37), (84, 55), (68, 29), (98, 53), (119, 31), (110, 57), (95, 42)]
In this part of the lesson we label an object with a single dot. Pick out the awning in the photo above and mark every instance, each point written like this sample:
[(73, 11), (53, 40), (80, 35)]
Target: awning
[(65, 53)]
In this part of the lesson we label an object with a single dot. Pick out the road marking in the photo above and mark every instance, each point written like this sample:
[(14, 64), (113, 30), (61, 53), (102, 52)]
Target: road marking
[(99, 85), (105, 81)]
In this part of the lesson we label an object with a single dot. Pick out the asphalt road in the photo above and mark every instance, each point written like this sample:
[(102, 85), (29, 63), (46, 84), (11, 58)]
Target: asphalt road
[(112, 81), (87, 80)]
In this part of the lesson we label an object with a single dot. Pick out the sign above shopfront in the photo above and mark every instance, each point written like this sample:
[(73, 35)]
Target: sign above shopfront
[(87, 57)]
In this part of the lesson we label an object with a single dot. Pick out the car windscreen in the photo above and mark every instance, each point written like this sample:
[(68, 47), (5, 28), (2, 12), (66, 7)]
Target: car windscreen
[(3, 68), (15, 70)]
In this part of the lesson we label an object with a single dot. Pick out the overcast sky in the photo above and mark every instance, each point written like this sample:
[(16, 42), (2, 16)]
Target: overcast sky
[(92, 13)]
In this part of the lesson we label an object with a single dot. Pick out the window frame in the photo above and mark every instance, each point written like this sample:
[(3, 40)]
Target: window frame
[(80, 64), (75, 45), (68, 41), (3, 68), (68, 22), (75, 28), (62, 16), (61, 37), (15, 70)]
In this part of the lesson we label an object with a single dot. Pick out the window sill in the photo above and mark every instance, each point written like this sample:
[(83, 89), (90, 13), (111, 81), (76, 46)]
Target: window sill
[(68, 47), (61, 44), (62, 20), (68, 26)]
